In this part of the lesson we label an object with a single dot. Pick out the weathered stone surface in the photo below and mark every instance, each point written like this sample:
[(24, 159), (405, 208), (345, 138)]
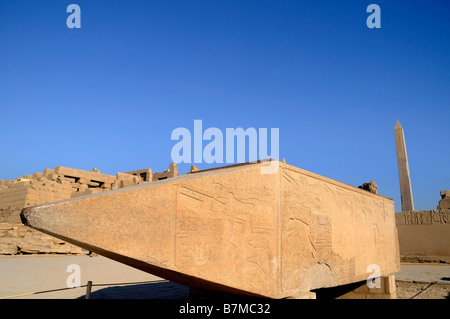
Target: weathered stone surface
[(54, 185), (29, 249), (19, 239), (75, 250), (234, 229), (8, 249), (12, 233), (424, 233), (403, 169), (60, 249), (6, 240), (370, 187), (444, 203), (5, 226)]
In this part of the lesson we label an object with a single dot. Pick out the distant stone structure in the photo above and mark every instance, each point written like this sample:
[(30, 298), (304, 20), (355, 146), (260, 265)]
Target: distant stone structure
[(53, 185), (403, 169), (444, 203), (425, 234), (371, 187)]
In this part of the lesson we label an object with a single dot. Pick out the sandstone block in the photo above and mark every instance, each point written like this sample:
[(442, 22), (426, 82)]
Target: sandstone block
[(28, 236), (22, 231), (76, 250), (6, 249), (57, 241), (44, 249), (78, 173), (6, 240), (29, 249), (60, 249), (14, 217), (444, 203), (37, 175), (13, 233), (5, 226), (47, 172)]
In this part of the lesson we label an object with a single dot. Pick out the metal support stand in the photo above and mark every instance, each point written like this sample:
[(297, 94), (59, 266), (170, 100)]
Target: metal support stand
[(88, 289)]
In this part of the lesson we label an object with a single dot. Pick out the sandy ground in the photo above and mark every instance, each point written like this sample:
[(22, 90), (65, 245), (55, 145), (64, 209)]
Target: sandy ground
[(410, 290), (423, 281), (23, 276)]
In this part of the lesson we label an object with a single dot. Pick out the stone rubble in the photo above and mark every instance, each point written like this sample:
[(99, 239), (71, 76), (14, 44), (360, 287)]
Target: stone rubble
[(54, 185)]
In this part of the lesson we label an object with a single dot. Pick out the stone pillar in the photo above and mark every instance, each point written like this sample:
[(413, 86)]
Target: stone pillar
[(173, 168), (403, 169)]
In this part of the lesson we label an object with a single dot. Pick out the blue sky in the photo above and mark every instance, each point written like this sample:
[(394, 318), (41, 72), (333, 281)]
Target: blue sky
[(110, 94)]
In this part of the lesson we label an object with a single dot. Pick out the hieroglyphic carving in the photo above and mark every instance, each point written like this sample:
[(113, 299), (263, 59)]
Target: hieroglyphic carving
[(423, 217), (443, 216), (336, 222), (191, 232), (424, 233), (219, 221)]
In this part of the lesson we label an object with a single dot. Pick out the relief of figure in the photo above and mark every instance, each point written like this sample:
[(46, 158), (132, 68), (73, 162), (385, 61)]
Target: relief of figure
[(408, 218), (427, 217), (443, 217), (418, 219)]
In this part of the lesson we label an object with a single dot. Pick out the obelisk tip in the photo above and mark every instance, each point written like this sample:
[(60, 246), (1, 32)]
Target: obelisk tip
[(397, 125)]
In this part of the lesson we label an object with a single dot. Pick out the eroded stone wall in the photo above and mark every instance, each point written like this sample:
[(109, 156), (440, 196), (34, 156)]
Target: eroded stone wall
[(49, 186), (20, 239), (424, 233)]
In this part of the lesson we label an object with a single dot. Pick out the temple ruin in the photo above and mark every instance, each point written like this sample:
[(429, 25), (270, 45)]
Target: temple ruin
[(54, 185), (424, 235)]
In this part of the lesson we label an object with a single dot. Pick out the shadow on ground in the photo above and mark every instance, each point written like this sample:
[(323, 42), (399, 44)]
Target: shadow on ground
[(158, 290)]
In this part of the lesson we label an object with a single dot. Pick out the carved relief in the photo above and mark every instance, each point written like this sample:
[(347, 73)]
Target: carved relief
[(337, 223), (424, 217), (223, 222)]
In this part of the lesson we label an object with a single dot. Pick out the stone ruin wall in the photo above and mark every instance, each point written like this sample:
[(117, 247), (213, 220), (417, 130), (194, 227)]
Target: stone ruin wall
[(425, 233), (53, 185)]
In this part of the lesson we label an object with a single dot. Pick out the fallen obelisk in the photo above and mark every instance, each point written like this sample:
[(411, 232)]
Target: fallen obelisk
[(235, 230)]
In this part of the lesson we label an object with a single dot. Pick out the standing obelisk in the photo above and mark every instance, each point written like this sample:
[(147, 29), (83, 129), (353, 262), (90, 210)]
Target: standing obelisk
[(403, 169)]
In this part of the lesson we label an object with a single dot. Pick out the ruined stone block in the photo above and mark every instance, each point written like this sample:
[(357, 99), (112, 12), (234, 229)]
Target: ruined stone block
[(29, 249), (22, 231), (60, 249), (145, 174), (78, 173), (6, 240), (13, 233), (444, 203), (75, 250), (47, 172), (370, 187), (5, 226), (57, 241), (37, 175), (6, 249)]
